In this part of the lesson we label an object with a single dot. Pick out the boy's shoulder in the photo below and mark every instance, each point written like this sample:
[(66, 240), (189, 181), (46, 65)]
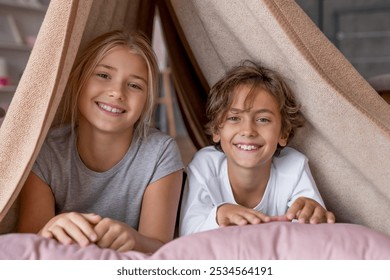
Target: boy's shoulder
[(208, 157), (289, 159)]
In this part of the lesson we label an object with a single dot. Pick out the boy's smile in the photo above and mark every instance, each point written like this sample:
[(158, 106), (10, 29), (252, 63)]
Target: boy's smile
[(250, 134)]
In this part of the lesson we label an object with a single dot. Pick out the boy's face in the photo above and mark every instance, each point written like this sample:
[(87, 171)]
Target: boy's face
[(249, 136)]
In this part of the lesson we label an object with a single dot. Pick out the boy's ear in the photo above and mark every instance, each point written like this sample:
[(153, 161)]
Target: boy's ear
[(283, 139), (216, 137)]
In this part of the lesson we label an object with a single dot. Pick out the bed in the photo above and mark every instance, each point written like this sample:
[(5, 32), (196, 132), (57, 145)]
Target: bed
[(346, 138)]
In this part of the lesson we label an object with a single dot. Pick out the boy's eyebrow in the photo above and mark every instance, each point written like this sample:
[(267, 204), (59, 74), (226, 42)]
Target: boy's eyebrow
[(237, 111), (113, 68)]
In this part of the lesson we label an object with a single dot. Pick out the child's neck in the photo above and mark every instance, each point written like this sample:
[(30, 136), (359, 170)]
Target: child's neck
[(248, 185), (101, 151)]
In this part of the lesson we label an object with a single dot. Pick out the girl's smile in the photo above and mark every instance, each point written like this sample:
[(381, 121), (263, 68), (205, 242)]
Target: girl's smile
[(114, 96)]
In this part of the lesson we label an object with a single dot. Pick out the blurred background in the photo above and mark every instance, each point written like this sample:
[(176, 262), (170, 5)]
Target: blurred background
[(360, 29)]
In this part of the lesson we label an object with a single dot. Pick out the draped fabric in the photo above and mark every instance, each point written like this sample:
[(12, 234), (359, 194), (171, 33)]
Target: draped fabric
[(347, 134), (191, 86)]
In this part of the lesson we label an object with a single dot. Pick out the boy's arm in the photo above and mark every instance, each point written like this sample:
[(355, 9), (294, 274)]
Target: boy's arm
[(306, 204), (307, 210), (198, 212)]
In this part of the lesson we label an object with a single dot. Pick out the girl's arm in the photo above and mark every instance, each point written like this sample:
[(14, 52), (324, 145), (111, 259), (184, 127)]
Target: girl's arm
[(37, 215), (158, 212), (36, 205), (157, 219)]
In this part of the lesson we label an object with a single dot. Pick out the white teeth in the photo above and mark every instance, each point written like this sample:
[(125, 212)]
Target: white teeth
[(246, 147), (110, 109)]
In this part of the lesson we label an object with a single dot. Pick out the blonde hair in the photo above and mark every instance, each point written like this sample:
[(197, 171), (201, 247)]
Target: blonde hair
[(249, 73), (89, 57)]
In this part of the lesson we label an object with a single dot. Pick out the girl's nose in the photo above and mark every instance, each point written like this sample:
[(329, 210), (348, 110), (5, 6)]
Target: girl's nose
[(116, 91)]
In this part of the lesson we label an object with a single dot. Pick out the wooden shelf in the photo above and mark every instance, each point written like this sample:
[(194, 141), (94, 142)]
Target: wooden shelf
[(7, 89), (40, 8), (15, 47)]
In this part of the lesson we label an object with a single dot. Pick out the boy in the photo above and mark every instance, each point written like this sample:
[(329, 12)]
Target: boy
[(249, 176)]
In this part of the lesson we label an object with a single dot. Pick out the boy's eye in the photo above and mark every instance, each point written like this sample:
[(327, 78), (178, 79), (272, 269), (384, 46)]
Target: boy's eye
[(263, 120), (233, 118)]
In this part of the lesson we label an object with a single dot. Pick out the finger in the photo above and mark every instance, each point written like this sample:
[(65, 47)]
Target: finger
[(262, 217), (318, 216), (255, 217), (107, 231), (292, 212), (126, 247), (76, 234), (84, 227), (123, 243), (45, 233), (306, 213), (330, 217), (239, 220), (282, 218), (61, 236), (224, 222), (92, 217)]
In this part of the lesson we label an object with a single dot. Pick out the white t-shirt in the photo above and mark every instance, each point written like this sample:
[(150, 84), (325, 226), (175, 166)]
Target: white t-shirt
[(208, 186)]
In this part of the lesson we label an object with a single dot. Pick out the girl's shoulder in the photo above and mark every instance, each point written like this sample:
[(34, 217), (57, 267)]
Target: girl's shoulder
[(59, 136), (155, 138)]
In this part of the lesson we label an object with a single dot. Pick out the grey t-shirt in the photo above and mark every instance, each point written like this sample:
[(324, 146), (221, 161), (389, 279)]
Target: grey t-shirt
[(116, 193)]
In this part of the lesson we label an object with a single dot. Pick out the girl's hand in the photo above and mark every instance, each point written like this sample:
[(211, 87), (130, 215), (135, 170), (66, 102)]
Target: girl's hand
[(68, 228), (307, 210), (232, 214), (115, 235)]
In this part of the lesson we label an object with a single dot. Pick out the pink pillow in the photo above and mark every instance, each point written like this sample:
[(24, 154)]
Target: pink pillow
[(281, 240), (278, 240)]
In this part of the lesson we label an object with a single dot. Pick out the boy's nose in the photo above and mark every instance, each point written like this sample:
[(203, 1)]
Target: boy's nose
[(248, 129)]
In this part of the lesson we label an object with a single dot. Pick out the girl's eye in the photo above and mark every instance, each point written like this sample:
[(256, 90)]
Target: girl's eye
[(102, 75), (134, 86)]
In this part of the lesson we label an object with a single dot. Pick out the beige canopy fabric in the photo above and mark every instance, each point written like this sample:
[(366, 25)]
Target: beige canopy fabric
[(347, 134)]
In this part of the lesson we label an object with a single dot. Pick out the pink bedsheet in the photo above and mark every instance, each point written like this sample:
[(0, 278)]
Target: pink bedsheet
[(278, 240)]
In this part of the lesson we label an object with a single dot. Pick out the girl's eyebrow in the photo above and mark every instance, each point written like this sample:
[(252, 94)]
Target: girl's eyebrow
[(106, 66), (115, 69)]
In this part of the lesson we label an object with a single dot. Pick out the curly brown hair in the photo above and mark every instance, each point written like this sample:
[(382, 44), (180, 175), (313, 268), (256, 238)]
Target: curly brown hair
[(249, 73)]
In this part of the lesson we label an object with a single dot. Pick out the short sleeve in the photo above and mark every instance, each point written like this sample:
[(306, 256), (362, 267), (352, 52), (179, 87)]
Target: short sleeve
[(168, 160), (42, 164)]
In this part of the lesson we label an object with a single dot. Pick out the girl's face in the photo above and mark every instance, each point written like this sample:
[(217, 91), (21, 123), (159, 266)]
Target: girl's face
[(113, 98), (249, 136)]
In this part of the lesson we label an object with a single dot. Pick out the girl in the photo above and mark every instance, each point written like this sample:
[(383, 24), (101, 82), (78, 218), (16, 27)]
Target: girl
[(106, 177), (248, 177)]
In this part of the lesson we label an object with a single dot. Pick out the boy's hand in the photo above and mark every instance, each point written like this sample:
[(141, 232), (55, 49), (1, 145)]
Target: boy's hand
[(68, 228), (115, 235), (307, 210), (232, 214)]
